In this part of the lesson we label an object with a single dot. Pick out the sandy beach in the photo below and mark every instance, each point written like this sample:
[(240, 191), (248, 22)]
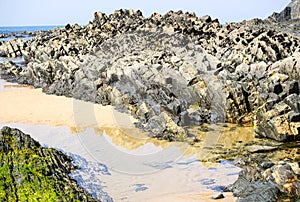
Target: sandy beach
[(23, 104)]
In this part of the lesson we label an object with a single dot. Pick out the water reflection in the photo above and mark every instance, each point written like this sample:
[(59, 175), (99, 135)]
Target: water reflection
[(133, 141), (139, 167), (174, 178)]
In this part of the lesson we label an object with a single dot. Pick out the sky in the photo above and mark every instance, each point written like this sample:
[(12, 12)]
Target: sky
[(62, 12)]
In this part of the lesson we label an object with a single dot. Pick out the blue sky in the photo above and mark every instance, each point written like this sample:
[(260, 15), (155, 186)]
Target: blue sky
[(61, 12)]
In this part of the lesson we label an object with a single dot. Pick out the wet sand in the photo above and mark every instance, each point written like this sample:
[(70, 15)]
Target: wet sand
[(141, 168)]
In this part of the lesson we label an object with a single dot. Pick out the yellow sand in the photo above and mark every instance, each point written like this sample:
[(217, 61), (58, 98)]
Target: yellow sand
[(26, 105)]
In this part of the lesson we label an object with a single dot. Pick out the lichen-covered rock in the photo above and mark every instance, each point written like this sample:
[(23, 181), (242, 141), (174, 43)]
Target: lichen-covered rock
[(29, 172), (281, 122)]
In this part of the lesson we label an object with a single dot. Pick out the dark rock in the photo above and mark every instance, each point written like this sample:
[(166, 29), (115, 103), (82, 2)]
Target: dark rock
[(294, 117), (293, 101), (266, 165), (276, 88), (291, 87), (250, 187)]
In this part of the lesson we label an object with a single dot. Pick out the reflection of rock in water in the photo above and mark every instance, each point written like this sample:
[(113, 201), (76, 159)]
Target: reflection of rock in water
[(131, 138), (210, 141), (181, 177), (214, 139)]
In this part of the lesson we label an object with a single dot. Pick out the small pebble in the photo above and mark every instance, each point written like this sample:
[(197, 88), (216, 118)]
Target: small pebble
[(239, 161), (218, 196), (281, 163), (266, 165)]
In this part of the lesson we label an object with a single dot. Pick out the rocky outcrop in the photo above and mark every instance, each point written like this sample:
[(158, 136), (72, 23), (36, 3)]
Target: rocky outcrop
[(267, 182), (291, 12), (267, 96), (157, 84), (235, 73), (29, 172), (13, 48)]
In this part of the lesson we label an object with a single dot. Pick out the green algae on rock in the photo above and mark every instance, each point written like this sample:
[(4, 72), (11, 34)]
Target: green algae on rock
[(29, 172)]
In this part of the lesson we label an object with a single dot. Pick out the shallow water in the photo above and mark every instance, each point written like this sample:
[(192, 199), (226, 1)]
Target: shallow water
[(114, 157), (132, 175)]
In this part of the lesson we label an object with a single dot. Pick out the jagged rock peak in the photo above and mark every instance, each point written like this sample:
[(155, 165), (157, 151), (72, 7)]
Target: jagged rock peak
[(123, 14), (291, 12)]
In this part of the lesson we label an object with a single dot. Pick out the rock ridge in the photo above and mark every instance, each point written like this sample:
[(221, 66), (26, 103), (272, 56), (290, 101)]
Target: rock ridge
[(109, 61)]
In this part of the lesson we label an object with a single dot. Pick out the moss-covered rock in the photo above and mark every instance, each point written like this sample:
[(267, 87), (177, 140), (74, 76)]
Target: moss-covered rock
[(29, 172)]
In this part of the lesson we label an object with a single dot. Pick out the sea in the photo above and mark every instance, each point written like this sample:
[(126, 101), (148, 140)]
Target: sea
[(18, 31)]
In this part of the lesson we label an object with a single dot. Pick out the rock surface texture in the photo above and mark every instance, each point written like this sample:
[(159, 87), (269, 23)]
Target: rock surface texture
[(291, 12), (267, 182), (29, 172)]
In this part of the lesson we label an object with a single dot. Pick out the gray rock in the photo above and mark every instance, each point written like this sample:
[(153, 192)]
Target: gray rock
[(291, 12), (250, 187), (218, 196), (258, 148), (192, 69), (266, 183)]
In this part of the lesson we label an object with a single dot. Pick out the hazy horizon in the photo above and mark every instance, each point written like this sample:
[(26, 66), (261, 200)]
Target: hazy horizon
[(55, 12)]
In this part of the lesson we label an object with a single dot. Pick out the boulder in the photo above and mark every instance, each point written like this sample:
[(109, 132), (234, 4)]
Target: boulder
[(266, 183), (13, 48)]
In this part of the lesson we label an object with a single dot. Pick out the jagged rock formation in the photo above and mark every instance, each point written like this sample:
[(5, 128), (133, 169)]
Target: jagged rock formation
[(29, 172), (235, 73), (12, 48), (267, 182), (291, 12)]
